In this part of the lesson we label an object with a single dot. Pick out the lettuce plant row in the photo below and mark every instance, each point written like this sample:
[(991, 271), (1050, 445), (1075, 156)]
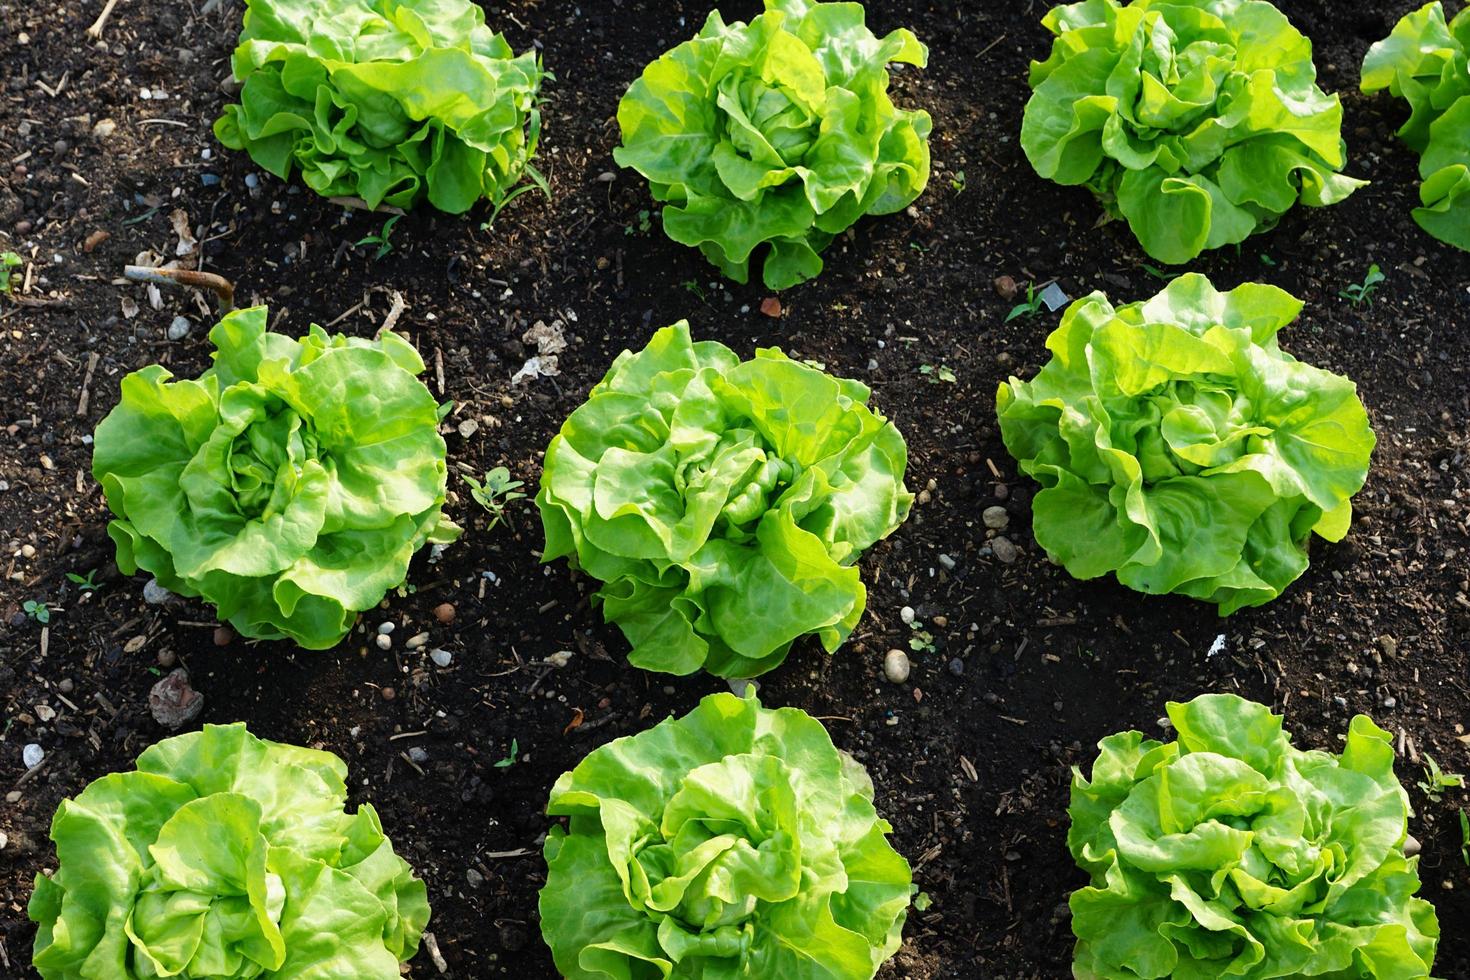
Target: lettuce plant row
[(1199, 122), (225, 856), (289, 485), (389, 101), (1423, 61), (722, 503), (1231, 853), (1180, 449)]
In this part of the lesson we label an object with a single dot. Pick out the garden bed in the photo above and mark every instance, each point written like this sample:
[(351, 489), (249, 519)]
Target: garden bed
[(1029, 668)]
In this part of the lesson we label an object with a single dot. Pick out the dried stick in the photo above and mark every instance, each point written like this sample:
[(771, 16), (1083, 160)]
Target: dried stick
[(219, 285), (95, 31)]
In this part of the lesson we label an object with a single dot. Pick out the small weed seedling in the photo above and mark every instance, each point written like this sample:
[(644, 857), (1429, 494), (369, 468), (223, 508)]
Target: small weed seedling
[(510, 759), (934, 375), (1436, 780), (1031, 307), (641, 226), (8, 261), (1360, 293), (87, 583), (37, 611), (1155, 271), (922, 641), (958, 182), (497, 491), (692, 286), (1465, 837), (382, 239)]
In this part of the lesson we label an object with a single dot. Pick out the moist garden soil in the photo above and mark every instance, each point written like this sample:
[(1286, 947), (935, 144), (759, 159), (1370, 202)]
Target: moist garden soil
[(102, 142)]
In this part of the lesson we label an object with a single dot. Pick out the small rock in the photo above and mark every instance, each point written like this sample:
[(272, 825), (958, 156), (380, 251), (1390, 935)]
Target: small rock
[(4, 839), (167, 659), (896, 666), (441, 658), (1412, 846), (947, 562), (388, 694), (1389, 645), (173, 702), (32, 755), (223, 636), (417, 641), (957, 667), (385, 628), (444, 612), (45, 712), (473, 878), (996, 518), (560, 658), (66, 685), (1004, 550), (180, 328), (27, 551), (1007, 288), (418, 755), (155, 594), (907, 615), (468, 428), (104, 128), (384, 641), (771, 307), (252, 181)]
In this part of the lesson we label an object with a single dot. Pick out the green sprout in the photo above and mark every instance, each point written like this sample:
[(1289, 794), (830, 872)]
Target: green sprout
[(692, 286), (1155, 271), (493, 494), (641, 226), (38, 611), (958, 182), (8, 261), (1031, 307), (87, 583), (922, 641), (1436, 780), (510, 759), (382, 239), (1360, 293), (934, 375)]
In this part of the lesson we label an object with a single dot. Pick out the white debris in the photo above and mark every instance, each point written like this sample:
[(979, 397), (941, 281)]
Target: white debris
[(155, 594), (536, 367), (1217, 647), (32, 755)]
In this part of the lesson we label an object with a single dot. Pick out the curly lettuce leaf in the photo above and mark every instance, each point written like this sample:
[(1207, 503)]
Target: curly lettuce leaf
[(1230, 853), (290, 484), (777, 135), (224, 855), (1179, 448), (735, 841), (1423, 61), (1199, 122), (388, 101), (722, 503)]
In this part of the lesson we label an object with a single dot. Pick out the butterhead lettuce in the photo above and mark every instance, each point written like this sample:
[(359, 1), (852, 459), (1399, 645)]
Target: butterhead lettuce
[(392, 101), (1181, 449), (777, 135), (722, 503), (1424, 62), (1229, 853), (733, 842), (290, 484), (1199, 122), (224, 856)]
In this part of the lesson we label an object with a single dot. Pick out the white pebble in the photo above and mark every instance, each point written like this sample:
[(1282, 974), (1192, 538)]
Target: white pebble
[(385, 628), (417, 640), (180, 328), (896, 666), (907, 615), (155, 594), (441, 658), (418, 755), (385, 642), (32, 755)]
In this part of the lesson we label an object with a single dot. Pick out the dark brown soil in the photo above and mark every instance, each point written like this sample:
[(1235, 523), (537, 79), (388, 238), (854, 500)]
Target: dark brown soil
[(1031, 668)]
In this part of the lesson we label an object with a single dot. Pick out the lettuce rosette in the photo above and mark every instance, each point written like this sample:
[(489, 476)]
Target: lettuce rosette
[(1423, 61), (776, 135), (390, 101), (722, 503), (1199, 122), (733, 842), (289, 485), (1181, 449), (1230, 853), (224, 856)]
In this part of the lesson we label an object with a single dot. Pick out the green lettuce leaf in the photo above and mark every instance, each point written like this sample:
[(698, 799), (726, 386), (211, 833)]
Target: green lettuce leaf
[(722, 503), (1198, 121), (224, 856), (733, 842), (1230, 853), (290, 484), (1423, 61), (778, 133), (385, 100), (1181, 449)]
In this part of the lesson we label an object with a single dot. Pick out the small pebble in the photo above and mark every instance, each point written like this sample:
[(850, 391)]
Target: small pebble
[(32, 755), (223, 636), (957, 667), (66, 685), (441, 658), (180, 328), (996, 518), (1004, 550), (27, 551), (418, 755), (896, 666), (167, 659), (474, 878), (385, 628), (388, 694), (173, 702), (947, 562), (252, 181), (560, 658), (907, 615), (444, 612), (155, 594), (384, 641), (417, 640), (209, 180)]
